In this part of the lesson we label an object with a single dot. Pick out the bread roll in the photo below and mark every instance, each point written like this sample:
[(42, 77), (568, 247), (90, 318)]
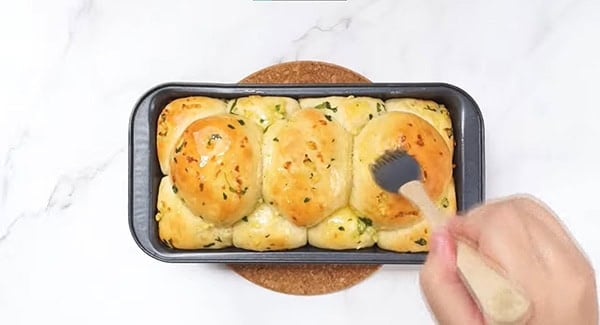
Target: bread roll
[(343, 230), (415, 239), (411, 133), (352, 112), (263, 110), (306, 162), (216, 168), (266, 230), (432, 112), (176, 117), (179, 228)]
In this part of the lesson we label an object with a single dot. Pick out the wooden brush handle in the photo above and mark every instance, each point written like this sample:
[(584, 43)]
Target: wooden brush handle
[(500, 301)]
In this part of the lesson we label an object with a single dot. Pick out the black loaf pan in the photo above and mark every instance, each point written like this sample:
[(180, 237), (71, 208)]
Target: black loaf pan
[(145, 174)]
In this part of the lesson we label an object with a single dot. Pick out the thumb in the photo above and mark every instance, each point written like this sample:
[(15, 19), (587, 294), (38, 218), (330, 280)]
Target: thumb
[(444, 291)]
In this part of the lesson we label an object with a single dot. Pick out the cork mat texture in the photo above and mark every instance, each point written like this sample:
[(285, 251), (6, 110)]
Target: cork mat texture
[(305, 279)]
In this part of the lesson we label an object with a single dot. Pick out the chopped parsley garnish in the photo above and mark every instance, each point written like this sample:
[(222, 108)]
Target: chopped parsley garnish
[(366, 220), (445, 202), (363, 223), (449, 132), (421, 242), (168, 242), (240, 192), (214, 137), (233, 105), (181, 146), (326, 105)]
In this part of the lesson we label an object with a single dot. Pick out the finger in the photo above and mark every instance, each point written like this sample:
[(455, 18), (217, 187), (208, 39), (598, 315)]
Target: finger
[(444, 291), (503, 237), (560, 250), (514, 231), (549, 248), (499, 235), (470, 225), (544, 214)]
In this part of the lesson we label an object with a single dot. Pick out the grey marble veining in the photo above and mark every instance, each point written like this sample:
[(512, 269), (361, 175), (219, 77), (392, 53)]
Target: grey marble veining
[(71, 71)]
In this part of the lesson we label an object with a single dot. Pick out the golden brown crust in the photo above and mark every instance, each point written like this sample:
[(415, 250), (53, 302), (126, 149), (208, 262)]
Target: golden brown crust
[(179, 228), (432, 112), (398, 130), (216, 168), (176, 117), (306, 167), (266, 230)]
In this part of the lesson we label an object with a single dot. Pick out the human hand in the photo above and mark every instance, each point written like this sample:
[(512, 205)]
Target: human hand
[(525, 241)]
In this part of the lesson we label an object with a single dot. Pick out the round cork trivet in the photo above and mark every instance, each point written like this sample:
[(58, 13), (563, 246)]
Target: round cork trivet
[(305, 279)]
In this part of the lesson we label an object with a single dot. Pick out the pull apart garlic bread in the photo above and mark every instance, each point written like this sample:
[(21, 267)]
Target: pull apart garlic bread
[(266, 173)]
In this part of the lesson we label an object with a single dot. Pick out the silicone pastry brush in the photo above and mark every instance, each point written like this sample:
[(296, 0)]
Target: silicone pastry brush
[(500, 301)]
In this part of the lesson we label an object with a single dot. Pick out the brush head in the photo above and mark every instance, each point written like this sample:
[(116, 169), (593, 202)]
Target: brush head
[(395, 168)]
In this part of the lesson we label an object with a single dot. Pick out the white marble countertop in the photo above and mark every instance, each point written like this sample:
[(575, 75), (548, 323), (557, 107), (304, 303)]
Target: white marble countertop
[(71, 71)]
